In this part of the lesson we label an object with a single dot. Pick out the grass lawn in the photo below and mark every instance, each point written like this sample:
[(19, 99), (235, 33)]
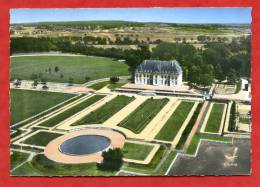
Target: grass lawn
[(26, 103), (174, 123), (166, 164), (196, 138), (140, 117), (106, 111), (76, 67), (47, 112), (215, 117), (17, 158), (110, 85), (136, 151), (146, 168), (42, 166), (41, 138), (189, 127), (71, 111)]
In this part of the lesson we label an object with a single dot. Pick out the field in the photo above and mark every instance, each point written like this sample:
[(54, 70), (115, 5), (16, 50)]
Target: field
[(71, 111), (215, 117), (138, 119), (174, 123), (136, 151), (41, 138), (80, 68), (25, 103), (106, 111)]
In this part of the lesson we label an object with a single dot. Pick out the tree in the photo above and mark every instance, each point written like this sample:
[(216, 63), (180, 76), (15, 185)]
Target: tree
[(35, 83), (71, 81), (112, 160), (56, 69), (87, 78), (114, 79), (18, 82)]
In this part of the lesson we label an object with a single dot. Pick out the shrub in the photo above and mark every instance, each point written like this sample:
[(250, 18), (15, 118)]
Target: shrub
[(112, 160), (114, 79), (232, 118)]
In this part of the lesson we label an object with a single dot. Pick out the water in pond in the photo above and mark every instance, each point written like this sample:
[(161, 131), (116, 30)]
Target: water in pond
[(84, 144)]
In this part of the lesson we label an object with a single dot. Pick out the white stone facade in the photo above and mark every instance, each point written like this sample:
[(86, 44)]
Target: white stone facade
[(154, 73)]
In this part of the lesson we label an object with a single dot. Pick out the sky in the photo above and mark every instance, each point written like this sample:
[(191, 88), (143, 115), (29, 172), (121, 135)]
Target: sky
[(169, 15)]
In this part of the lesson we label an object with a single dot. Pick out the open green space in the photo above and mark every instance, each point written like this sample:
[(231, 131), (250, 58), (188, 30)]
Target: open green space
[(71, 111), (146, 168), (29, 120), (140, 117), (26, 103), (166, 164), (42, 166), (106, 111), (41, 138), (136, 151), (196, 138), (110, 85), (174, 123), (17, 158), (80, 68), (215, 117), (189, 127)]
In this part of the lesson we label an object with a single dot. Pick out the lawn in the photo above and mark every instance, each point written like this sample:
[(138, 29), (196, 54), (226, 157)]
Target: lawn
[(140, 117), (174, 123), (146, 168), (71, 111), (189, 127), (42, 166), (136, 151), (166, 164), (106, 111), (17, 158), (80, 68), (26, 103), (215, 117), (110, 85), (41, 138)]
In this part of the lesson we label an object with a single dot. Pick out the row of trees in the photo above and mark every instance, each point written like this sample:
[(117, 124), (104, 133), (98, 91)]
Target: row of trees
[(217, 61)]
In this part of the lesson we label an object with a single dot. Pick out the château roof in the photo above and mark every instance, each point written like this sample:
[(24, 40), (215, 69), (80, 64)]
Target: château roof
[(159, 66)]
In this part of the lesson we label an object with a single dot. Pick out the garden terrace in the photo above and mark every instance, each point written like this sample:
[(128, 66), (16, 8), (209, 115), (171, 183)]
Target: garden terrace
[(71, 111), (214, 120), (146, 168), (41, 138), (106, 111), (48, 111), (189, 127), (26, 103), (136, 151), (174, 123), (139, 118)]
